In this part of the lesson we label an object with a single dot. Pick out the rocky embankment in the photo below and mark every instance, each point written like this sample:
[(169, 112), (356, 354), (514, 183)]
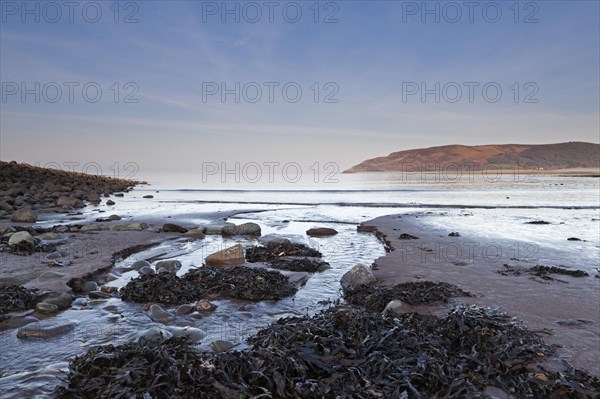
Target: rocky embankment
[(26, 190)]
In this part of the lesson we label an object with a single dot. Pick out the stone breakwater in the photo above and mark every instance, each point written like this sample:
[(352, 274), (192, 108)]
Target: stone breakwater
[(26, 189)]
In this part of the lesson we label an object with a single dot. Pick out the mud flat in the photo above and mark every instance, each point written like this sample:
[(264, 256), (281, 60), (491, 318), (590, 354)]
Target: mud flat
[(566, 303)]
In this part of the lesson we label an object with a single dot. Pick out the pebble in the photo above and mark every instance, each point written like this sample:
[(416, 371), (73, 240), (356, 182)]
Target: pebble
[(46, 308), (204, 305)]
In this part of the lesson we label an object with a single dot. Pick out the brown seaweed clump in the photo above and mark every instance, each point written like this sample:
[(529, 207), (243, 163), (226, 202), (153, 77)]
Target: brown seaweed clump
[(15, 298), (340, 353), (541, 271), (252, 284), (288, 256), (376, 297)]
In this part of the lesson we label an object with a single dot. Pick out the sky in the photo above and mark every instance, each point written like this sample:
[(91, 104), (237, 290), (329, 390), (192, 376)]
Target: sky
[(169, 86)]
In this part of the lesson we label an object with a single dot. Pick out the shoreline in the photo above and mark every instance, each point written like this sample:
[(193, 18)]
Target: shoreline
[(572, 302)]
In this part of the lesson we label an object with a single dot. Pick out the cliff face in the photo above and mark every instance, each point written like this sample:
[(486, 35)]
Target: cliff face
[(546, 156)]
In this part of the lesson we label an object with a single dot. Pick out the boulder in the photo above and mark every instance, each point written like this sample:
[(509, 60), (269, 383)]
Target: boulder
[(395, 308), (93, 198), (204, 305), (172, 266), (244, 229), (321, 232), (195, 233), (21, 238), (356, 277), (62, 300), (227, 257), (70, 202), (24, 215), (173, 228)]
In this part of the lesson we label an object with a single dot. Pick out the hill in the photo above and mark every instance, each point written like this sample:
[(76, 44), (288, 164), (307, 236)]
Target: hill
[(569, 155)]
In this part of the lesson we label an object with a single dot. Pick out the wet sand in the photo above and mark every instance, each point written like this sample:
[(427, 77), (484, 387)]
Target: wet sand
[(471, 264)]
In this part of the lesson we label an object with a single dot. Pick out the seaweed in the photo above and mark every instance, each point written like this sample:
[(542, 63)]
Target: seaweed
[(340, 353), (376, 297), (15, 298), (541, 271), (236, 283)]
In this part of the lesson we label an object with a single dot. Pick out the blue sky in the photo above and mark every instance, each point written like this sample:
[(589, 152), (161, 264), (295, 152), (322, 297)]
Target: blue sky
[(373, 53)]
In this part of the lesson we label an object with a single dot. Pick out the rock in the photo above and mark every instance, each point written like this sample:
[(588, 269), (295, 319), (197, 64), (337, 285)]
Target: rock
[(405, 236), (244, 229), (93, 198), (108, 289), (395, 308), (195, 233), (70, 202), (361, 228), (16, 322), (110, 202), (321, 232), (568, 239), (173, 228), (61, 229), (172, 266), (184, 309), (21, 238), (50, 236), (194, 334), (119, 195), (114, 217), (24, 215), (356, 277), (537, 222), (89, 286), (136, 226), (204, 305), (227, 257), (99, 295), (50, 275), (153, 334), (39, 330), (162, 270), (454, 234), (46, 308), (216, 227), (157, 313), (148, 196), (90, 227), (147, 270), (53, 255), (139, 264), (221, 346), (110, 277), (80, 302), (62, 300)]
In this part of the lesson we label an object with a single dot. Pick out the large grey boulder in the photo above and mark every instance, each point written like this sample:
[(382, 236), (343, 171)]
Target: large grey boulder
[(357, 277), (21, 238), (24, 215)]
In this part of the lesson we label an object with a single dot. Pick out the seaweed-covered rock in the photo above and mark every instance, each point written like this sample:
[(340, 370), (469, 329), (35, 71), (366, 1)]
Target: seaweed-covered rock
[(376, 297), (15, 298), (276, 249), (173, 228), (300, 264), (237, 283)]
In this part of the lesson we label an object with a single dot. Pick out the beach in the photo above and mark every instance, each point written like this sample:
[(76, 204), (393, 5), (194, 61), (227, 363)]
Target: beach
[(148, 271)]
